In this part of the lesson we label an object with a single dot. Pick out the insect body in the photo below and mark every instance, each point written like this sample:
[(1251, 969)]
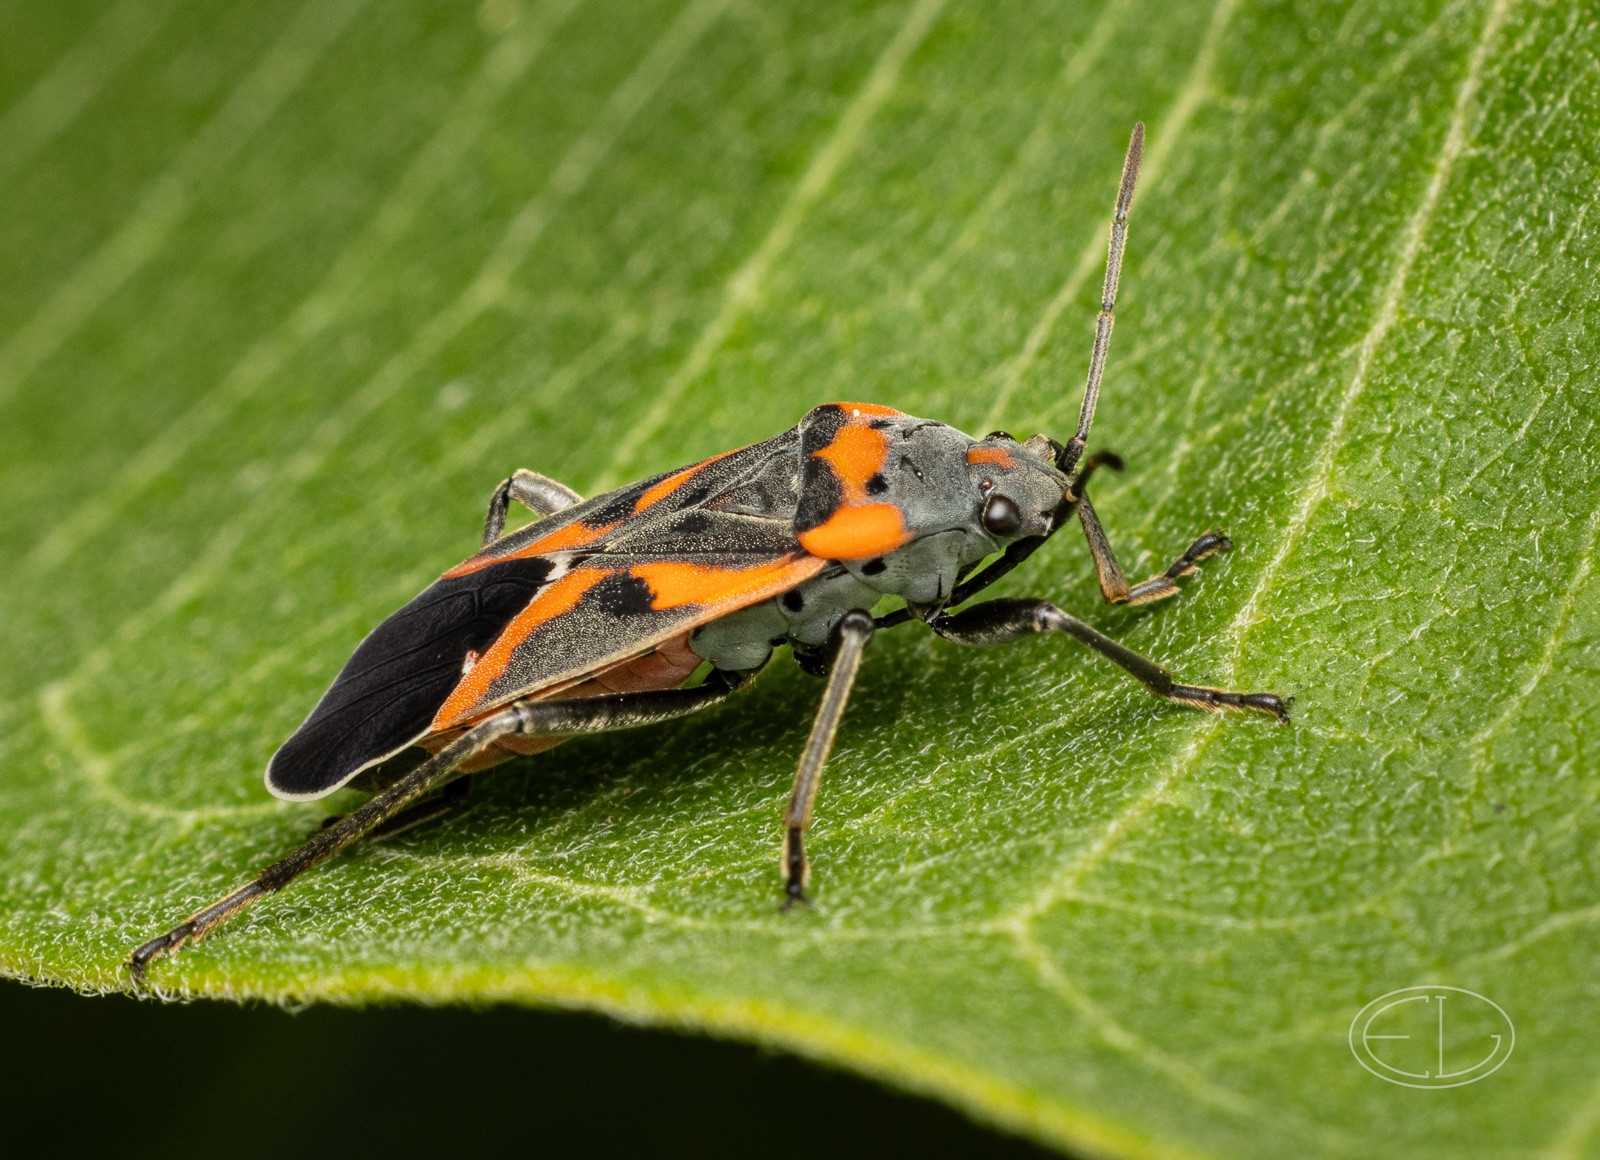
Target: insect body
[(598, 615)]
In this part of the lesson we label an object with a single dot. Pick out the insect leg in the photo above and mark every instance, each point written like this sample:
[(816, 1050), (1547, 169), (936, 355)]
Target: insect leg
[(1004, 621), (538, 493), (329, 841), (850, 637), (1114, 584), (535, 718), (453, 796)]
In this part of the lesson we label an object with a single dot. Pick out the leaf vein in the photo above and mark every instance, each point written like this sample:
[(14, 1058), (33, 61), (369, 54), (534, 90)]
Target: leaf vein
[(167, 199), (1070, 875), (47, 109), (744, 285), (437, 158)]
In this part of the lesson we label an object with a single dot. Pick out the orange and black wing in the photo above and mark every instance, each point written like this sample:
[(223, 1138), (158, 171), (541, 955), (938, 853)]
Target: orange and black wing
[(565, 597), (607, 610), (757, 480)]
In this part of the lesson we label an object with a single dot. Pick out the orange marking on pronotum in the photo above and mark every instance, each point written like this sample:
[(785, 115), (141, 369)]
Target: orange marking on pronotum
[(558, 597), (574, 535), (856, 454), (676, 480), (857, 532), (996, 455), (674, 584), (860, 528)]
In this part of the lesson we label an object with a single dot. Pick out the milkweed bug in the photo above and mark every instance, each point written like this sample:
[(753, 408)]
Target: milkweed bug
[(598, 614)]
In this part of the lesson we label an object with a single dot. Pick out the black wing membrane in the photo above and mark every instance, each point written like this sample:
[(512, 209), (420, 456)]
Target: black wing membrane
[(387, 694)]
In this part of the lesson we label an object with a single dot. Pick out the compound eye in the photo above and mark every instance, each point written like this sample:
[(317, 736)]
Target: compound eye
[(1001, 516)]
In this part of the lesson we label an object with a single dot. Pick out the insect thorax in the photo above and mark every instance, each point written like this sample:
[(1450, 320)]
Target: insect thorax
[(894, 502)]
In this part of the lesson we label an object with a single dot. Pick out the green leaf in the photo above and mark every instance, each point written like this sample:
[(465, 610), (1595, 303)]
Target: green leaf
[(287, 286)]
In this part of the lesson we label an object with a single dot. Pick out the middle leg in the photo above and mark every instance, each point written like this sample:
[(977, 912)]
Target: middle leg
[(850, 637), (538, 493)]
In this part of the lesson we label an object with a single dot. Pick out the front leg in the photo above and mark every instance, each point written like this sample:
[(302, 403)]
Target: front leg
[(1114, 584), (997, 622), (538, 493)]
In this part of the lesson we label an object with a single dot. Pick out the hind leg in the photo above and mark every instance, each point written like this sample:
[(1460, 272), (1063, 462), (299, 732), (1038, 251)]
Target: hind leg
[(525, 718), (451, 798)]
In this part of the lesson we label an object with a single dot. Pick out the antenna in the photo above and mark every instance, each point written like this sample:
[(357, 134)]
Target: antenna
[(1073, 451)]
